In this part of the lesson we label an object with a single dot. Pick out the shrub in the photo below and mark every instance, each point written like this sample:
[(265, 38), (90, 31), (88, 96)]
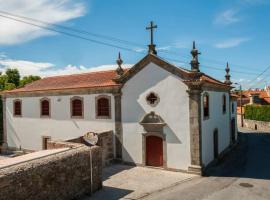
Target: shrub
[(256, 112)]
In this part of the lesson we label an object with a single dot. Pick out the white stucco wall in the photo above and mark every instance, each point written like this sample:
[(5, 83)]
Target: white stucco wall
[(27, 131), (216, 120), (173, 108)]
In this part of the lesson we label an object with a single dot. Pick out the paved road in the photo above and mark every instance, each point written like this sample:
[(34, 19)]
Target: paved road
[(244, 174)]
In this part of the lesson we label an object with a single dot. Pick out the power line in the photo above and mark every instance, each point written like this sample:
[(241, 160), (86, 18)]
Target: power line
[(260, 75), (108, 37), (70, 34), (103, 43), (74, 30)]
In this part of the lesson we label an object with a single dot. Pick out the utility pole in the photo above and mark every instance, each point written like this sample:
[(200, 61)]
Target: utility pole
[(241, 104)]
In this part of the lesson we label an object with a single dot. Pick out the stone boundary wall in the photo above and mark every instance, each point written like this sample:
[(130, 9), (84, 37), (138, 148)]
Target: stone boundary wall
[(255, 125), (65, 175), (105, 141)]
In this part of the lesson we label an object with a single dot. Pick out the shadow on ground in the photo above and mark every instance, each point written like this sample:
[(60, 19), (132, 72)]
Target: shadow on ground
[(249, 159)]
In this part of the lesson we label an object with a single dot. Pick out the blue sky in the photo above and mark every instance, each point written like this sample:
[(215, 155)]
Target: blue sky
[(225, 30)]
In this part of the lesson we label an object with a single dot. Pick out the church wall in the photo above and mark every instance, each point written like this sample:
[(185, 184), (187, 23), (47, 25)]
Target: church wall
[(27, 131), (173, 108), (216, 120)]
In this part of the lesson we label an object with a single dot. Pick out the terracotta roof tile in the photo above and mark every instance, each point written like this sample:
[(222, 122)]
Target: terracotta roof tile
[(85, 80)]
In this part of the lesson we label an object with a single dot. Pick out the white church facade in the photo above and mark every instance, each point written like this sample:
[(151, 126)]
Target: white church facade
[(161, 115)]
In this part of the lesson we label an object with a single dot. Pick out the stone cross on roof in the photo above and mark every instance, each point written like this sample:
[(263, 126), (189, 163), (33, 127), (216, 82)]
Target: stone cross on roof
[(152, 46)]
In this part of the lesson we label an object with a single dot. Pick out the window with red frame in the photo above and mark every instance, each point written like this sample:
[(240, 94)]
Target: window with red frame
[(103, 107), (45, 107), (206, 105), (77, 108), (17, 109)]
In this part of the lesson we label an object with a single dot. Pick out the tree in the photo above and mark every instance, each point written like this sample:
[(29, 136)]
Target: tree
[(13, 76), (28, 79), (3, 81), (9, 86)]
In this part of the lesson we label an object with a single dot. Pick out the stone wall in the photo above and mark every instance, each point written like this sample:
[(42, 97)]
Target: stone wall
[(257, 125), (65, 175), (105, 141), (253, 124)]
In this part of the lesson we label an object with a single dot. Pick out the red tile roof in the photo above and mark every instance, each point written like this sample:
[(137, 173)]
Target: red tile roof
[(210, 79), (86, 80), (75, 81)]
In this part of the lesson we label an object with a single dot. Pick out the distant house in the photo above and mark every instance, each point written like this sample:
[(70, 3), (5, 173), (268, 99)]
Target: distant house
[(161, 115), (253, 97)]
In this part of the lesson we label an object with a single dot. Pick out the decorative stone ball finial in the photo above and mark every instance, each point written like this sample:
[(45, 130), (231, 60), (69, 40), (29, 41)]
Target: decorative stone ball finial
[(228, 76), (195, 61), (119, 62)]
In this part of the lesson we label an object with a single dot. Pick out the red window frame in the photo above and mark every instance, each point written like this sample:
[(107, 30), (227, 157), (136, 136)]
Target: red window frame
[(103, 107), (45, 107), (77, 107), (17, 108), (206, 105)]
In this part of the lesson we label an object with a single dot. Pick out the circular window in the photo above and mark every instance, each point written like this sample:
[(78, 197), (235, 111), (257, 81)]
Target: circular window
[(152, 99)]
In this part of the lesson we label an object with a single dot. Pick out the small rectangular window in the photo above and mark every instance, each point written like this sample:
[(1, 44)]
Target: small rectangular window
[(17, 108), (77, 107), (224, 104), (45, 107), (206, 106)]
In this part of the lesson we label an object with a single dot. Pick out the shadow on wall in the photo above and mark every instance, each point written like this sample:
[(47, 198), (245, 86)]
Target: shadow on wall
[(250, 159)]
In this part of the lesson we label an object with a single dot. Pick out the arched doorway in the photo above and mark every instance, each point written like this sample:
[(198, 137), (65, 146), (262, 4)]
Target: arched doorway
[(215, 140), (233, 130), (154, 151)]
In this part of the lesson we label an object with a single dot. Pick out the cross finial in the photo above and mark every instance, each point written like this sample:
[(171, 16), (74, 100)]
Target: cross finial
[(228, 76), (119, 62), (195, 61), (151, 46)]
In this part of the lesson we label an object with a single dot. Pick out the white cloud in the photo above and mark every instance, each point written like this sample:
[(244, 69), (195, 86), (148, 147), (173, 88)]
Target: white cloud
[(45, 69), (231, 43), (51, 11), (227, 17)]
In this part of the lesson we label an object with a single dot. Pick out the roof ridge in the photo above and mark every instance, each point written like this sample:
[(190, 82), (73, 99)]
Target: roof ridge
[(84, 73)]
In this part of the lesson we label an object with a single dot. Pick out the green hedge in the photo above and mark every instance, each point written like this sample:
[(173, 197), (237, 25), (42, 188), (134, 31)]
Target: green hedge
[(259, 113)]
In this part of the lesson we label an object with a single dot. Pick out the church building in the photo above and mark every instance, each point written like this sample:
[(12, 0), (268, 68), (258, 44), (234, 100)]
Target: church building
[(161, 115)]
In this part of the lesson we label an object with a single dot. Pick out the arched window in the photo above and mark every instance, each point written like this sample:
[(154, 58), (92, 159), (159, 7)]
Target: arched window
[(224, 103), (76, 107), (44, 107), (17, 107), (103, 107), (206, 105)]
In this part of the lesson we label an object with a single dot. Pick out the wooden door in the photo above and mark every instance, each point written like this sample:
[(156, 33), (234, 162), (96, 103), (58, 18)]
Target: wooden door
[(154, 151), (215, 138)]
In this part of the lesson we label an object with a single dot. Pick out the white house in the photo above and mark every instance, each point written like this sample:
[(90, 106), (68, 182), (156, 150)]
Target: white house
[(161, 115)]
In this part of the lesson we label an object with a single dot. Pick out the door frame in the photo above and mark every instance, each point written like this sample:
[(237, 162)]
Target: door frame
[(157, 134)]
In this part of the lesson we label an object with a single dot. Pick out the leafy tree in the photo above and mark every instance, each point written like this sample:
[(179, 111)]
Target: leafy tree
[(9, 86), (3, 81), (13, 76), (28, 79)]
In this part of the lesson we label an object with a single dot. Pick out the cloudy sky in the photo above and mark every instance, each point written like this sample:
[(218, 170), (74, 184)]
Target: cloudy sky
[(234, 31)]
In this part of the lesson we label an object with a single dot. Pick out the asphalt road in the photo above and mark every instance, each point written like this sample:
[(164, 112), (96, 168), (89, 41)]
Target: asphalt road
[(243, 174)]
